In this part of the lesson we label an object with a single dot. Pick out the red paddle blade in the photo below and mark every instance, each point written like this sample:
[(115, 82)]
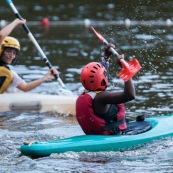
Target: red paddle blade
[(101, 38), (129, 69)]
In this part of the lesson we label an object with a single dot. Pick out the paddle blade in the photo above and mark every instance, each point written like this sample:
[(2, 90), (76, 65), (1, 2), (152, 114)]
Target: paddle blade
[(101, 38), (129, 69)]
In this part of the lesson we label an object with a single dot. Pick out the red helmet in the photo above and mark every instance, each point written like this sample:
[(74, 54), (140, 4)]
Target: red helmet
[(93, 77)]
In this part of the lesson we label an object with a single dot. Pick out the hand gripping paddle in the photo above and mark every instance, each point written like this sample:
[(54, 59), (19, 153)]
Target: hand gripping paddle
[(129, 69)]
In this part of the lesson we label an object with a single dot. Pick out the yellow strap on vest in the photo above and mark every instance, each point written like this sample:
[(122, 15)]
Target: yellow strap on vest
[(97, 92), (5, 78)]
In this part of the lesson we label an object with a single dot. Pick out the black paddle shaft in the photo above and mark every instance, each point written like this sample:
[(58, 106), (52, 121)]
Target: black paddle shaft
[(28, 31)]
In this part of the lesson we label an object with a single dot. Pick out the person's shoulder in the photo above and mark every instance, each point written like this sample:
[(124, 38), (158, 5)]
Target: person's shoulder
[(13, 72), (104, 92), (105, 95)]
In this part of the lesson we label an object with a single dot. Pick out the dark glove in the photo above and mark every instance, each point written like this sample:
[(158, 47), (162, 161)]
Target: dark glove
[(107, 52)]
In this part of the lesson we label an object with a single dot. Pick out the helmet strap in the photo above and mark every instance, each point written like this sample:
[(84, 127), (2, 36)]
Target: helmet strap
[(105, 63)]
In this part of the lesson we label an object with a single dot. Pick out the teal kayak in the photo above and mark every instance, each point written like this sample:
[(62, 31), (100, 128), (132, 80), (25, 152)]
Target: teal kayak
[(160, 127)]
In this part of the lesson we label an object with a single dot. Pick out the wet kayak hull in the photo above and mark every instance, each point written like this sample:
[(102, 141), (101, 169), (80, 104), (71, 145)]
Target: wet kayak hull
[(37, 102)]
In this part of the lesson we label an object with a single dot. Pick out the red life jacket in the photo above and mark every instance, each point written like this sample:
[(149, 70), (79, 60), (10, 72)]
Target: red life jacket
[(91, 123)]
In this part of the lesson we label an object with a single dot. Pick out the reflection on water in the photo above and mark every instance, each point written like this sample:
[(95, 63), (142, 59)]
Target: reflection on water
[(69, 47)]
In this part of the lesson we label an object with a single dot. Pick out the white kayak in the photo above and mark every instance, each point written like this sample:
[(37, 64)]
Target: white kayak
[(37, 102)]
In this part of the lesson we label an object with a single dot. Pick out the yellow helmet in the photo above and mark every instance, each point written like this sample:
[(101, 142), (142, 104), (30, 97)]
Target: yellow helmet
[(9, 42)]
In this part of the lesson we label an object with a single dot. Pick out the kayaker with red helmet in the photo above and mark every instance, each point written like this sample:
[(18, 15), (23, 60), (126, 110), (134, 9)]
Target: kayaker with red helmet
[(97, 110), (9, 48)]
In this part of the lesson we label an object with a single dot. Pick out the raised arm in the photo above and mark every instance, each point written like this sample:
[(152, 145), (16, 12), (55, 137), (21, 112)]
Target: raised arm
[(8, 29), (117, 97)]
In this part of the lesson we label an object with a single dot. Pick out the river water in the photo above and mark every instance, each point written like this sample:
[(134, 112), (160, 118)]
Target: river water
[(141, 29)]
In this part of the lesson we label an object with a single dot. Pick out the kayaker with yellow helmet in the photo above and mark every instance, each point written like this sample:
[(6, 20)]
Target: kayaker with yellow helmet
[(9, 48), (99, 111)]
